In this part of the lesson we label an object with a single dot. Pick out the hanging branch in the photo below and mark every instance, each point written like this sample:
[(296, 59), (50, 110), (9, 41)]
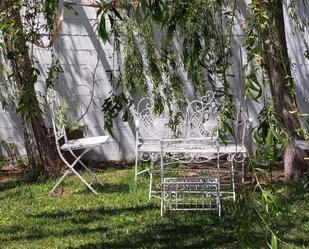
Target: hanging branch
[(55, 34), (108, 6), (68, 5)]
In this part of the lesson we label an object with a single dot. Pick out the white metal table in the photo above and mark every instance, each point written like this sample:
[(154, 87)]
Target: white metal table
[(188, 191)]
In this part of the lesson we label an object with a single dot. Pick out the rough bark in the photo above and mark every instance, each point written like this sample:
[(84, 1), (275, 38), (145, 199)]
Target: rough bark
[(40, 150), (281, 85)]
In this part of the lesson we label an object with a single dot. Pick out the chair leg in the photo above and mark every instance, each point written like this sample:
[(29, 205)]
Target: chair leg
[(162, 180), (84, 181), (218, 184), (71, 167), (59, 181), (87, 169)]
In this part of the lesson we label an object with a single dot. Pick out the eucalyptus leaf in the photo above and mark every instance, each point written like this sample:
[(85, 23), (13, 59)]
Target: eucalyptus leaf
[(274, 242), (102, 28), (117, 14)]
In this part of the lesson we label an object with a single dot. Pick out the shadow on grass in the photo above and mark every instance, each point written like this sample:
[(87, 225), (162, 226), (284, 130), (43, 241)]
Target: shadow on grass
[(204, 230), (93, 214), (36, 233), (12, 189), (79, 218), (108, 188), (11, 185)]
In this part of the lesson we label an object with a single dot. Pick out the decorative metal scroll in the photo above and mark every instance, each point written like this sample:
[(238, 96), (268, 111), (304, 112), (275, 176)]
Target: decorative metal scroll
[(237, 157), (149, 156), (151, 126), (202, 116), (191, 193)]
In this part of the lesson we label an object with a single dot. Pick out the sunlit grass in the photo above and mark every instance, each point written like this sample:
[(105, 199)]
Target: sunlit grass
[(121, 217)]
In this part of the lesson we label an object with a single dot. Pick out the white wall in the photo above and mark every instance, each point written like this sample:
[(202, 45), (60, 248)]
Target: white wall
[(87, 64)]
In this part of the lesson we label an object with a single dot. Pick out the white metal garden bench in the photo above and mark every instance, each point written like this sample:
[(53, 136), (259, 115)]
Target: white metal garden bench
[(85, 144), (198, 140)]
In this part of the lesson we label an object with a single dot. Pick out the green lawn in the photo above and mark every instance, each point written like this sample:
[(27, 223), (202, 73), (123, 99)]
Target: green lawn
[(121, 217)]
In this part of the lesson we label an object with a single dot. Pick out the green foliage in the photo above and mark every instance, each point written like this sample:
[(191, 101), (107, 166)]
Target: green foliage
[(270, 137), (227, 116), (49, 11), (4, 91), (135, 80), (107, 10), (149, 43), (20, 89), (53, 74), (301, 21), (252, 85), (11, 150), (155, 66), (111, 108), (102, 28), (27, 102)]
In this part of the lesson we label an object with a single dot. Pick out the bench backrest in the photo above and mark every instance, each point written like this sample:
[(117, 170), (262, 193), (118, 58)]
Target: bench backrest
[(201, 120), (202, 117), (150, 125)]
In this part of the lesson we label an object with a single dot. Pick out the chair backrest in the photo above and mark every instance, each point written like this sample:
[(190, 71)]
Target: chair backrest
[(202, 117), (57, 115)]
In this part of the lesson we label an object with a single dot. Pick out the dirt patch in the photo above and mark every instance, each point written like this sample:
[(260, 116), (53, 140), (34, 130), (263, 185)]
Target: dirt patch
[(12, 173), (61, 193)]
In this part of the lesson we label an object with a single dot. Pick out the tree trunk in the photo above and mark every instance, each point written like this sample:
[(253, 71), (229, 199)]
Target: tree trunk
[(40, 149), (281, 85)]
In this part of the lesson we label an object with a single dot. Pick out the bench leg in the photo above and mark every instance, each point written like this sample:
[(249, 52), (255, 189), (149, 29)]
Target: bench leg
[(150, 181), (243, 172), (233, 178)]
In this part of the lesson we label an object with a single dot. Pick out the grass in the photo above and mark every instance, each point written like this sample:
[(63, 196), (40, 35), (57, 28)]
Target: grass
[(121, 217)]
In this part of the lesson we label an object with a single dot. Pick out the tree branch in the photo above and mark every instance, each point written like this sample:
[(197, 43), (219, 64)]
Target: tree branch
[(98, 6)]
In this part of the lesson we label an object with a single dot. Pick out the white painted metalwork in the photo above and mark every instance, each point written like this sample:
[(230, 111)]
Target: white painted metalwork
[(189, 189), (150, 129), (198, 143), (85, 144), (235, 148), (190, 193)]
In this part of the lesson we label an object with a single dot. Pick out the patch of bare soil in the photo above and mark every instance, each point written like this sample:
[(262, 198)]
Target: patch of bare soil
[(11, 173), (62, 192), (121, 164)]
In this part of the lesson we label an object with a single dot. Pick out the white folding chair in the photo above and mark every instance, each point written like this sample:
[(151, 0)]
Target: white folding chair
[(85, 144)]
